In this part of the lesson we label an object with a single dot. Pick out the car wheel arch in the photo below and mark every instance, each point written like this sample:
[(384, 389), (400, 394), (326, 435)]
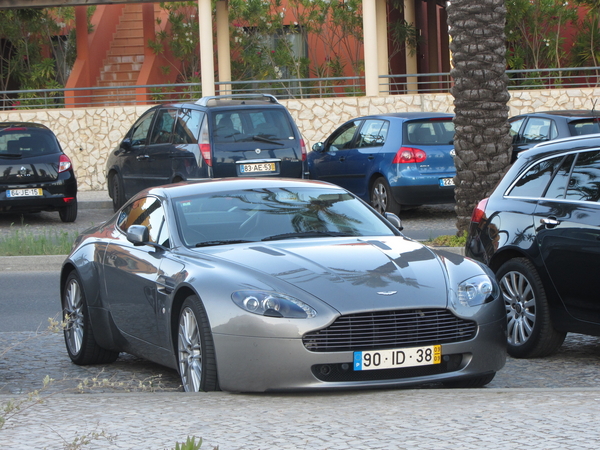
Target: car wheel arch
[(502, 256), (178, 298)]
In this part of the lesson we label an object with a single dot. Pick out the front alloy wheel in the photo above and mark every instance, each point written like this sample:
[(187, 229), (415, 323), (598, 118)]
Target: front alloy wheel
[(195, 348), (73, 316)]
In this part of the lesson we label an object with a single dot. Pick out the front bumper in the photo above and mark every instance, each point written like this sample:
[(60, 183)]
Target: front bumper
[(249, 364)]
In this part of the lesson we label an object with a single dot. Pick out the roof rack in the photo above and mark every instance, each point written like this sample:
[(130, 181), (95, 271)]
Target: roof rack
[(241, 97)]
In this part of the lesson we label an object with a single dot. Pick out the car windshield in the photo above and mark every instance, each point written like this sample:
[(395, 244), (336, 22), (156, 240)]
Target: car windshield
[(274, 214), (252, 124), (22, 142)]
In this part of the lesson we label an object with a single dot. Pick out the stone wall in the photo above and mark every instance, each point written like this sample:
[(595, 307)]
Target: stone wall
[(88, 135)]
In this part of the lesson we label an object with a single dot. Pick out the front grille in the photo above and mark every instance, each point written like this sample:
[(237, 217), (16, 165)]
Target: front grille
[(390, 329)]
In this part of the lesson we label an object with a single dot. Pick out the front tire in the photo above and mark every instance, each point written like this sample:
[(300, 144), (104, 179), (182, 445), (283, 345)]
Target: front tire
[(79, 337), (68, 213), (195, 348), (530, 330), (381, 197)]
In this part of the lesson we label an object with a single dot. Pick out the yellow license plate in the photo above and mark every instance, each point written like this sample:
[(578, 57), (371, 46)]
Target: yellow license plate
[(24, 193), (258, 167), (398, 357)]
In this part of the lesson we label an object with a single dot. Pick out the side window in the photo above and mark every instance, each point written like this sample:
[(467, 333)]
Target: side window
[(147, 211), (187, 126), (584, 184), (558, 185), (163, 126), (373, 133), (533, 183), (515, 126), (539, 130), (342, 139), (139, 131), (587, 126)]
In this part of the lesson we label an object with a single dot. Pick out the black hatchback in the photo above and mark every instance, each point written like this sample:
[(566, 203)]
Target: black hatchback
[(215, 137), (539, 232), (35, 174)]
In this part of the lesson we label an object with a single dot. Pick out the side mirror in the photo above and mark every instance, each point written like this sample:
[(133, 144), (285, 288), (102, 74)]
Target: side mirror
[(138, 235), (126, 144), (394, 220), (318, 147)]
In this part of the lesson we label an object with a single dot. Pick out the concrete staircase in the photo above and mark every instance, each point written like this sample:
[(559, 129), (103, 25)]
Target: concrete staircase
[(124, 59)]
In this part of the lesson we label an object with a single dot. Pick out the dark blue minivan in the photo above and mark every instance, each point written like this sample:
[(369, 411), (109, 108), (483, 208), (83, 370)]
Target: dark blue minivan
[(392, 161), (214, 137)]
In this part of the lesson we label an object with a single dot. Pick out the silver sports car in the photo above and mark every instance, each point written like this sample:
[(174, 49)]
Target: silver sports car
[(272, 284)]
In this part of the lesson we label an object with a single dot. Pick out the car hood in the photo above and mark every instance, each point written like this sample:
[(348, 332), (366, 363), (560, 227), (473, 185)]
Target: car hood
[(350, 274)]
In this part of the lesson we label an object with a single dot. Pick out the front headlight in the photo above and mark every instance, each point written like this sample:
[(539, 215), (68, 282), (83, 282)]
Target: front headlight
[(272, 304), (477, 290)]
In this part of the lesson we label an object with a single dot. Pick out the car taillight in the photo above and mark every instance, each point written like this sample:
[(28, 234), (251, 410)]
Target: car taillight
[(303, 149), (64, 163), (479, 211), (409, 155), (205, 151)]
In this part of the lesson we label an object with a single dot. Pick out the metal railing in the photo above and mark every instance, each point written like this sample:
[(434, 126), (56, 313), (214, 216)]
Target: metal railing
[(295, 88)]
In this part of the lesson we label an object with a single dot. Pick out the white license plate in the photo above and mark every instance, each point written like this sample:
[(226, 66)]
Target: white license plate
[(24, 193), (259, 167), (398, 357), (446, 181)]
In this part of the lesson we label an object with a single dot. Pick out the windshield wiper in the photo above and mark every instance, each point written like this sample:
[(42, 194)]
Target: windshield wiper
[(222, 242), (264, 139), (306, 234), (11, 155)]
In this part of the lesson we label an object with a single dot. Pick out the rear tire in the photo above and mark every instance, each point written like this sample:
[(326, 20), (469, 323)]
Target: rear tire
[(195, 348), (382, 199), (530, 330), (68, 213), (118, 193), (79, 337)]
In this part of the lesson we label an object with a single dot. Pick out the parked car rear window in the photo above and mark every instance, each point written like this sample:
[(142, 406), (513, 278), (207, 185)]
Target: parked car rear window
[(430, 132), (581, 127), (240, 126), (25, 142)]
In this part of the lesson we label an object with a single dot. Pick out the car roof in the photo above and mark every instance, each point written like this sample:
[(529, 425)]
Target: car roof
[(4, 125), (227, 184), (569, 114), (411, 115), (561, 145)]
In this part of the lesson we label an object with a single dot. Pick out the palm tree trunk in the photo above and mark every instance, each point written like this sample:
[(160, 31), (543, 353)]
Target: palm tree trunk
[(482, 142)]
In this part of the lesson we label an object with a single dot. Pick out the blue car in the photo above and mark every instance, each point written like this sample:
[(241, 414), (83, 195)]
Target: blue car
[(392, 161)]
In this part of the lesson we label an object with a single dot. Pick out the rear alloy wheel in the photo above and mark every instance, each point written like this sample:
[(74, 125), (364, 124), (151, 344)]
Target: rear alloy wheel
[(79, 337), (381, 197), (530, 330), (195, 348), (118, 195), (68, 213)]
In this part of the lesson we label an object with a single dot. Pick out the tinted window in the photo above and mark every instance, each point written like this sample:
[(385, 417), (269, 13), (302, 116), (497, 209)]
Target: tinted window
[(559, 182), (25, 142), (533, 183), (163, 126), (584, 184), (187, 126), (342, 138), (515, 126), (430, 132), (581, 127), (139, 131), (243, 125), (373, 133), (146, 211)]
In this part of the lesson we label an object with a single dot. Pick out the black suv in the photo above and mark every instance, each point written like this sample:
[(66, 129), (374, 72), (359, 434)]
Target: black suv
[(35, 174), (215, 137), (539, 232)]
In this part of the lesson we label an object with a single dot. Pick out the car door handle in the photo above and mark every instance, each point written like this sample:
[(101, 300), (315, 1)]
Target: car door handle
[(371, 157), (141, 157), (342, 158), (549, 222)]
